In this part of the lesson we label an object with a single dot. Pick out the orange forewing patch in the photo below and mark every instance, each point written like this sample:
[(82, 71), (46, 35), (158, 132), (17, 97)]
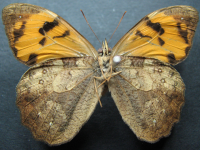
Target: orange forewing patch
[(39, 34), (165, 34)]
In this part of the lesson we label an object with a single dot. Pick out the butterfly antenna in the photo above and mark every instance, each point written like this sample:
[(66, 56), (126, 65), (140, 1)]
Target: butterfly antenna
[(90, 26), (117, 26)]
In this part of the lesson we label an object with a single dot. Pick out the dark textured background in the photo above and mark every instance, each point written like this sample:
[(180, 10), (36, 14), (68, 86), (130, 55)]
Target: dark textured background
[(105, 129)]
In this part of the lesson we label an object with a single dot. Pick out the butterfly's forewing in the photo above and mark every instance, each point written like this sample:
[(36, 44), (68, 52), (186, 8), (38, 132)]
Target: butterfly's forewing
[(57, 98), (37, 34), (149, 95), (165, 34)]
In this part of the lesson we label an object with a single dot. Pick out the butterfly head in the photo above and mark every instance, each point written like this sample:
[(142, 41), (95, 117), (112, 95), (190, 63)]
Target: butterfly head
[(104, 51)]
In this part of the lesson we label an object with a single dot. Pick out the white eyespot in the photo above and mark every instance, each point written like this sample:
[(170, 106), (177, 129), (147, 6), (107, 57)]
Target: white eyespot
[(20, 16), (154, 121), (41, 81), (182, 18), (44, 71), (163, 80), (159, 70), (50, 124), (116, 59)]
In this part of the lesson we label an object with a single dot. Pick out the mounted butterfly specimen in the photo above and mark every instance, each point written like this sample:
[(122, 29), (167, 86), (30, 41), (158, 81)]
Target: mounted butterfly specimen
[(58, 94)]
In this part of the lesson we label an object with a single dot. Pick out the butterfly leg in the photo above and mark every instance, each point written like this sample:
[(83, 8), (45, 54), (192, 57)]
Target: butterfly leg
[(112, 75), (107, 79), (102, 74), (95, 86)]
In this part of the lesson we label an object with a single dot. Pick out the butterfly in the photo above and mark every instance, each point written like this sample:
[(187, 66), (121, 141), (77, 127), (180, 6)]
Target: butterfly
[(67, 76)]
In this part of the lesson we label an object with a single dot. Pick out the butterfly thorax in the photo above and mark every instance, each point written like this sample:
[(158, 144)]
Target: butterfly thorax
[(104, 61)]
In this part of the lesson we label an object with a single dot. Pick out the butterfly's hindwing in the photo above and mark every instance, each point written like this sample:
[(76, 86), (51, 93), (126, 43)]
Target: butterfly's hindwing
[(57, 98), (149, 95)]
